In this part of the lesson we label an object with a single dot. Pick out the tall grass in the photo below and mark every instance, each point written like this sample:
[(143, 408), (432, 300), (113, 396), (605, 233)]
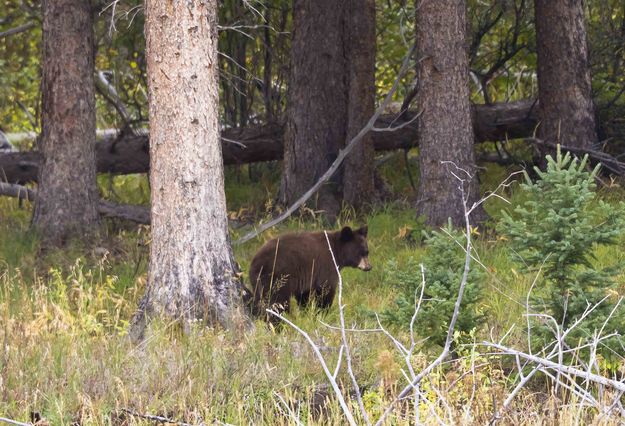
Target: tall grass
[(65, 353)]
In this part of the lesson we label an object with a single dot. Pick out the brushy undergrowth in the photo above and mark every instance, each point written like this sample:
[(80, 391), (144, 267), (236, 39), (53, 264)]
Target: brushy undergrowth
[(555, 233), (433, 290), (65, 354)]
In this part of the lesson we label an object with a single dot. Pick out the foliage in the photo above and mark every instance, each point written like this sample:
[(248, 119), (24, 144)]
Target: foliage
[(19, 67), (444, 265), (555, 231)]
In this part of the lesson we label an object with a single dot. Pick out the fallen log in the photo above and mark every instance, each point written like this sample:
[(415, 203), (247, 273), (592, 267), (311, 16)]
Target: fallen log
[(133, 213), (126, 154)]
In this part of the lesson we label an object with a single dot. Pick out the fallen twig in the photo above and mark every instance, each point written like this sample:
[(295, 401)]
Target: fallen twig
[(563, 368), (14, 422), (159, 419), (133, 213)]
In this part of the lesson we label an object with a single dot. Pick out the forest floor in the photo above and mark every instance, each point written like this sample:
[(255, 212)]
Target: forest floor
[(66, 357)]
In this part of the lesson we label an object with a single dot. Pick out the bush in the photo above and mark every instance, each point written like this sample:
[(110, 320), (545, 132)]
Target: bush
[(556, 231), (444, 265)]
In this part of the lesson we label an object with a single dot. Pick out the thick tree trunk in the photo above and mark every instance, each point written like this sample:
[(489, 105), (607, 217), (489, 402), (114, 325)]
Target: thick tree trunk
[(317, 102), (566, 108), (192, 273), (445, 129), (358, 186), (68, 196)]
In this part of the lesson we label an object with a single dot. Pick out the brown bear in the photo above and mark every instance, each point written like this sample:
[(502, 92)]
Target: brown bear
[(300, 265)]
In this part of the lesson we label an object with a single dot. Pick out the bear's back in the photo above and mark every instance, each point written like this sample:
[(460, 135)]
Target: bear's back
[(301, 260)]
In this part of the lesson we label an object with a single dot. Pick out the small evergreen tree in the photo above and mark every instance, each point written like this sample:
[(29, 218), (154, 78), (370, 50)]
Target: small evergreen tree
[(556, 230), (444, 266)]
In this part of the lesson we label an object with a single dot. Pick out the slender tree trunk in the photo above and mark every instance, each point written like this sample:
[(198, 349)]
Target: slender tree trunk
[(358, 185), (317, 102), (192, 272), (566, 107), (445, 128), (67, 193)]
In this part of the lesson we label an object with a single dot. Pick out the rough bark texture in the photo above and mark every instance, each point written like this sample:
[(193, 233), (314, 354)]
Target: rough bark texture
[(130, 154), (358, 186), (192, 273), (445, 129), (566, 107), (317, 102), (68, 196)]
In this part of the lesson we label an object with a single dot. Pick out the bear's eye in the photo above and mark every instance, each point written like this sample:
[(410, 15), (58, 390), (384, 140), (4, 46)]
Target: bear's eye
[(365, 253)]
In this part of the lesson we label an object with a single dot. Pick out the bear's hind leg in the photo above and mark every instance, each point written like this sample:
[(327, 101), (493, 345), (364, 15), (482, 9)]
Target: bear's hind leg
[(303, 298), (325, 297)]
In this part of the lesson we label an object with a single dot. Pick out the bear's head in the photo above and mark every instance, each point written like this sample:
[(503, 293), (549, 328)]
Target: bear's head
[(352, 248)]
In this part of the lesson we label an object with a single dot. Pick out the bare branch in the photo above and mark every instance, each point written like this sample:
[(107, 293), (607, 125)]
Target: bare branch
[(348, 356), (330, 377), (544, 362), (18, 29), (154, 418), (452, 323), (109, 93), (14, 422), (339, 159)]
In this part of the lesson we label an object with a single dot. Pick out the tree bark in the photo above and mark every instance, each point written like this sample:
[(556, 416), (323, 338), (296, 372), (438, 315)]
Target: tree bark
[(566, 108), (317, 102), (68, 196), (358, 184), (192, 272), (445, 128)]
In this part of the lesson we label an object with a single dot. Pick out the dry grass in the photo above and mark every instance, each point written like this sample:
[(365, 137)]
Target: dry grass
[(65, 354)]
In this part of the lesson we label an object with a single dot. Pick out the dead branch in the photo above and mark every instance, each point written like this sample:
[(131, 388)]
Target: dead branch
[(324, 365), (18, 29), (154, 418), (608, 161), (559, 367), (17, 191), (345, 346), (108, 92), (133, 213), (14, 422), (454, 318)]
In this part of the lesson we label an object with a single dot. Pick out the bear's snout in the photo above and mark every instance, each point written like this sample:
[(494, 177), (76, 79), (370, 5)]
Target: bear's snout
[(364, 264)]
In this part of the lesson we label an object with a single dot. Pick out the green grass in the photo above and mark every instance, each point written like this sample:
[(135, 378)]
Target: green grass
[(64, 320)]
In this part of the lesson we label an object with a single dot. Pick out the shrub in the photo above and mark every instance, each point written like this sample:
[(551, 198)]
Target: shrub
[(444, 266), (556, 231)]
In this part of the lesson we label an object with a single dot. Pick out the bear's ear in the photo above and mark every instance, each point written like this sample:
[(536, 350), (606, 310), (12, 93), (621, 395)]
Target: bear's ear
[(363, 230), (347, 234)]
